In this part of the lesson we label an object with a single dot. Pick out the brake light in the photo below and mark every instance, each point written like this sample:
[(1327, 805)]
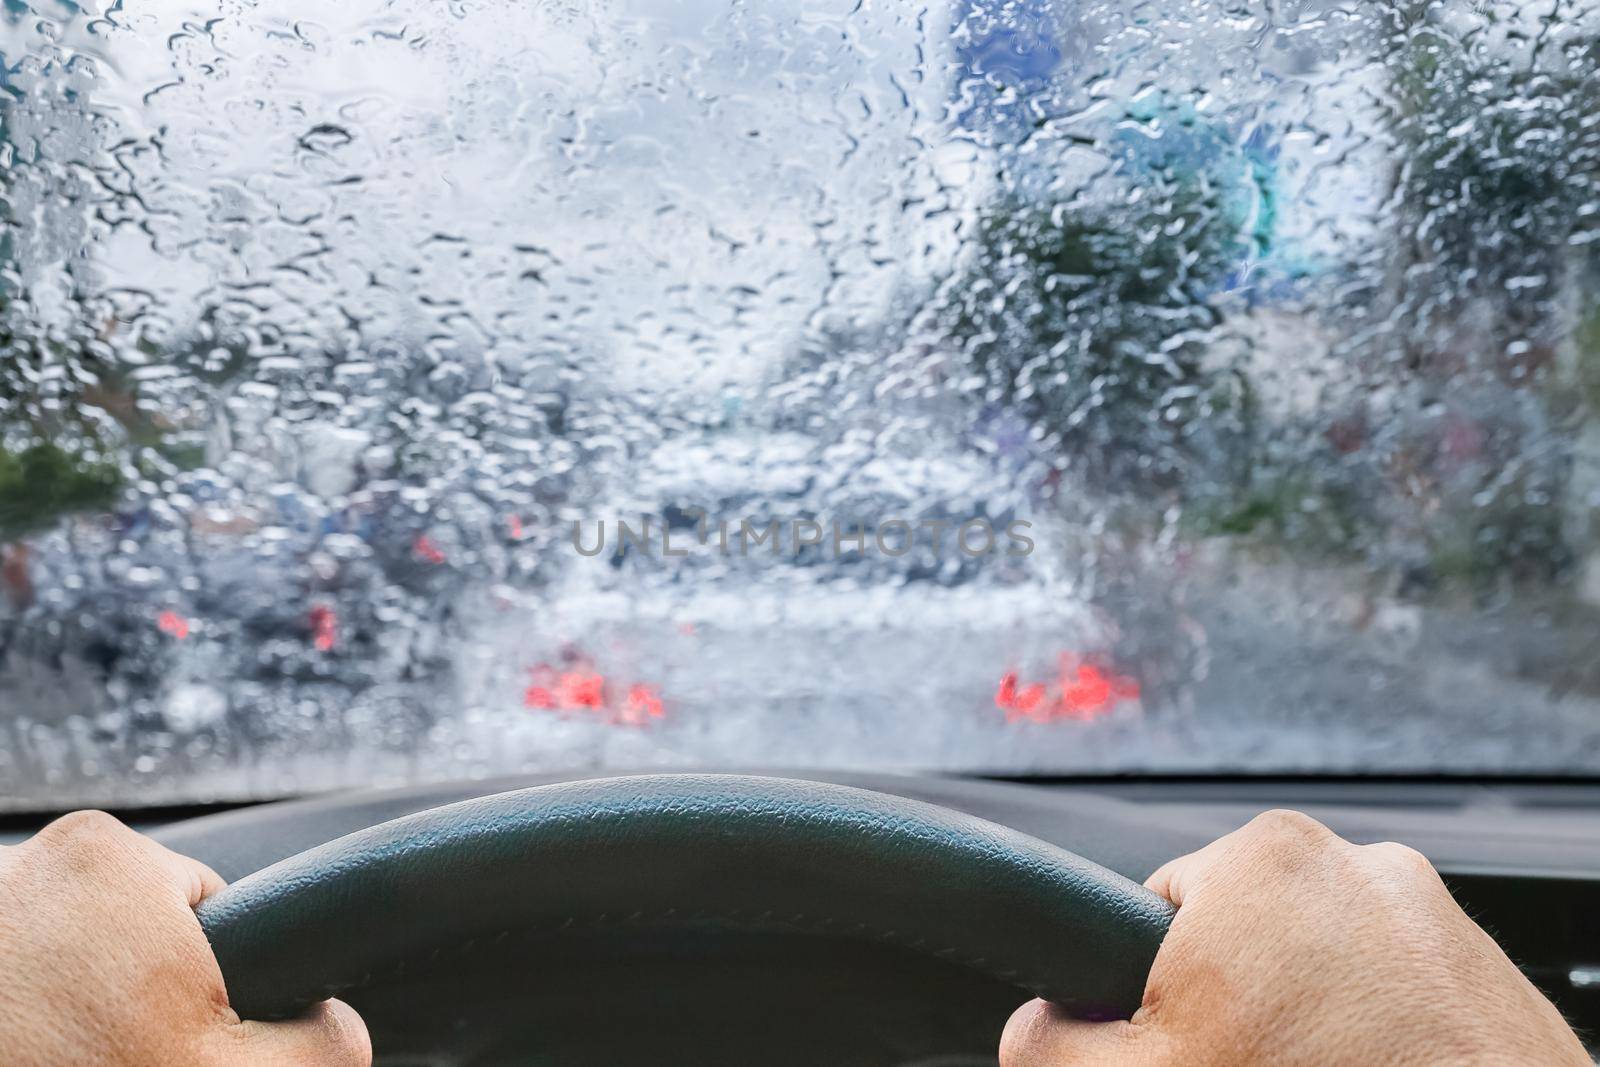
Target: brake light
[(173, 625), (589, 692), (427, 549), (1081, 690), (644, 703), (324, 628)]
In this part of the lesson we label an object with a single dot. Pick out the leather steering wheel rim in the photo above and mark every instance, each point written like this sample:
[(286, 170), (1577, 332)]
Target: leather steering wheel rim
[(719, 852)]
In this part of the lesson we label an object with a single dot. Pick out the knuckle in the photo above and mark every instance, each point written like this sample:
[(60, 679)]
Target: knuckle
[(84, 830), (92, 845), (1290, 826), (1402, 856), (1288, 839)]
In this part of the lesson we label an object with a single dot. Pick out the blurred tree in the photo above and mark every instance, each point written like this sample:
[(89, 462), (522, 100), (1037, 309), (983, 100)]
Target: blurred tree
[(1495, 190), (42, 481), (58, 393), (1496, 177), (58, 399), (1092, 321)]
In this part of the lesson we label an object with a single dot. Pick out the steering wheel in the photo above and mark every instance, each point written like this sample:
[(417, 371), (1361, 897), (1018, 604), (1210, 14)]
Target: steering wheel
[(688, 853)]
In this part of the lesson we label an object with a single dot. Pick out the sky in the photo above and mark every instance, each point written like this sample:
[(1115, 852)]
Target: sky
[(617, 178), (669, 192)]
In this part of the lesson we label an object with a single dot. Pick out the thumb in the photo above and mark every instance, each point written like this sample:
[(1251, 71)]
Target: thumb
[(1039, 1034), (329, 1034)]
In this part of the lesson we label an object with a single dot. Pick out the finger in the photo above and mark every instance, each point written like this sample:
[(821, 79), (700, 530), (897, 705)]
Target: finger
[(1174, 878), (193, 878), (1171, 878), (330, 1034), (1279, 831), (1039, 1034)]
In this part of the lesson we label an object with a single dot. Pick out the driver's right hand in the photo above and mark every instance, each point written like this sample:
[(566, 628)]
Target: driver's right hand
[(1294, 947)]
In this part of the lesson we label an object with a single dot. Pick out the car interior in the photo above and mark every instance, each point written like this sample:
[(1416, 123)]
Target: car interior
[(727, 532), (716, 955)]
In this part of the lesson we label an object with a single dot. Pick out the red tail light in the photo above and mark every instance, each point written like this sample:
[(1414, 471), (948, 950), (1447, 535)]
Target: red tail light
[(324, 628), (1082, 691), (173, 625), (427, 549), (589, 692)]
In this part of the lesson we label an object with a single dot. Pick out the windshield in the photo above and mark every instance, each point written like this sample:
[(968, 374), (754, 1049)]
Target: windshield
[(396, 390)]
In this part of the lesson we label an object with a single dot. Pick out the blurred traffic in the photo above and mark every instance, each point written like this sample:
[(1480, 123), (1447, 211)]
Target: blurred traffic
[(331, 338)]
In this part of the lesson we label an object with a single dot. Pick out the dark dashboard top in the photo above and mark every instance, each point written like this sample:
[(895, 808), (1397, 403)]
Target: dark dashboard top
[(1131, 826)]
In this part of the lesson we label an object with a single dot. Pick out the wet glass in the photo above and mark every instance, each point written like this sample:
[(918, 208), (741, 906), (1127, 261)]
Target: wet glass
[(413, 390)]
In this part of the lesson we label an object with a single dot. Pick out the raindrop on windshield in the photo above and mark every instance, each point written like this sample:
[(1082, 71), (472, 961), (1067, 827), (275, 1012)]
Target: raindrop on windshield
[(396, 391)]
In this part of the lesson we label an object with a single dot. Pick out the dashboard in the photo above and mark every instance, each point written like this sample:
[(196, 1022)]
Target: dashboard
[(1522, 857)]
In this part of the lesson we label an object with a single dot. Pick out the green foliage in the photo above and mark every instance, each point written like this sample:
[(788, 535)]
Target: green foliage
[(1517, 541), (1291, 509), (1498, 169), (1497, 158), (55, 386), (1586, 340), (43, 482), (1089, 322)]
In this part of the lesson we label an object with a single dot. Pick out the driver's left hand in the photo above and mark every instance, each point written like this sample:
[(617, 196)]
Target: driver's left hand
[(103, 963)]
